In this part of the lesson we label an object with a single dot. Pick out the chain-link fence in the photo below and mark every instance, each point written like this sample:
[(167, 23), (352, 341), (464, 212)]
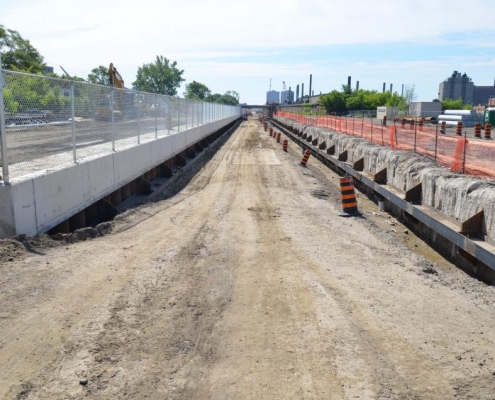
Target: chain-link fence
[(463, 150), (51, 122)]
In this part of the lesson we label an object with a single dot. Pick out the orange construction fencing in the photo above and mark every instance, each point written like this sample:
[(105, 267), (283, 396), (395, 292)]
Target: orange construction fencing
[(469, 155)]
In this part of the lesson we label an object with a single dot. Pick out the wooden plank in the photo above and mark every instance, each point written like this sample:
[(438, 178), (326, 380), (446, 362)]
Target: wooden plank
[(380, 177), (359, 165), (473, 224), (414, 195)]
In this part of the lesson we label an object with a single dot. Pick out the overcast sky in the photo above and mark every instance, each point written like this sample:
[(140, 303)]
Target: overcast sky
[(240, 45)]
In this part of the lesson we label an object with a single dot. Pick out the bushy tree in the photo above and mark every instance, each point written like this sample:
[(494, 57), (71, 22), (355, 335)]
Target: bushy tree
[(196, 90), (449, 104), (18, 54), (99, 76), (334, 101), (223, 99), (160, 77)]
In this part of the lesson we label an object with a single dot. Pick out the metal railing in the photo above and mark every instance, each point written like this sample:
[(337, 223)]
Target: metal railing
[(47, 122)]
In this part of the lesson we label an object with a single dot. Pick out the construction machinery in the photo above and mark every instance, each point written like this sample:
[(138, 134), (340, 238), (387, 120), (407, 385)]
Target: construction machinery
[(126, 103)]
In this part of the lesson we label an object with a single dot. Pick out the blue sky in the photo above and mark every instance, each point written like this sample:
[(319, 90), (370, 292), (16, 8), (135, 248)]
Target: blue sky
[(239, 46)]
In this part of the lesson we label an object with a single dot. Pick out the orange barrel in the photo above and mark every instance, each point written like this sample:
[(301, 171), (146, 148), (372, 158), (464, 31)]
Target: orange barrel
[(442, 127), (305, 158), (477, 130), (420, 125), (286, 144), (278, 137), (349, 202), (403, 123), (488, 130), (411, 125), (271, 132), (384, 121), (458, 129)]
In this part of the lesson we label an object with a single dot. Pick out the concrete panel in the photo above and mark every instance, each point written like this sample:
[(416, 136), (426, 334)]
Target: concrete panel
[(7, 223), (24, 207), (98, 177), (57, 194)]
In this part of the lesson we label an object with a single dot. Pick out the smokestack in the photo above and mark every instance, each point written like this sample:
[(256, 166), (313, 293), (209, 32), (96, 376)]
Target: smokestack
[(297, 92), (384, 85), (310, 83), (290, 100), (391, 86), (302, 91), (402, 90), (357, 86), (349, 82)]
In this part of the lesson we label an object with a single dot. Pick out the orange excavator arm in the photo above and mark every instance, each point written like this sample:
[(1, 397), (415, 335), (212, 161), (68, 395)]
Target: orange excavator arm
[(115, 78)]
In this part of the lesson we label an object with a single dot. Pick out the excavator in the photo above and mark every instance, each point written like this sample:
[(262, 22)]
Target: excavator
[(125, 103)]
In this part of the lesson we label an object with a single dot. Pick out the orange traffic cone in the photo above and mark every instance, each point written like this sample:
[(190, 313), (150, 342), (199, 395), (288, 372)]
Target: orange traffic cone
[(305, 158), (349, 202)]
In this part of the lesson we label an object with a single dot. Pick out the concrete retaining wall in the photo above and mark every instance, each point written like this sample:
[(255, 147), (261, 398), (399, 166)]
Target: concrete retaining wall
[(457, 196), (37, 203)]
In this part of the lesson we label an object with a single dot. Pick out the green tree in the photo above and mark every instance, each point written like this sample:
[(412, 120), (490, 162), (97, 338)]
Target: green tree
[(223, 99), (160, 77), (234, 94), (18, 54), (196, 90), (334, 101), (449, 104), (99, 76)]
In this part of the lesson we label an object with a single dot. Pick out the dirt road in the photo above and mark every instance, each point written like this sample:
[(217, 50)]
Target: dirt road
[(245, 285)]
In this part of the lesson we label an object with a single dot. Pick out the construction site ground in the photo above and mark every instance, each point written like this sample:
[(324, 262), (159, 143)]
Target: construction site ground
[(242, 282)]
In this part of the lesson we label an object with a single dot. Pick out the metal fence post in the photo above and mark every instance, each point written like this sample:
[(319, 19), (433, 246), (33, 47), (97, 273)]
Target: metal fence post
[(436, 141), (3, 133), (362, 125), (415, 136), (73, 124), (178, 114), (156, 116), (138, 104), (112, 117)]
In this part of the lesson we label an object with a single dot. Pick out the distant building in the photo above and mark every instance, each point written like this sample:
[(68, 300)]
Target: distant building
[(286, 97), (483, 94), (48, 70), (273, 97), (425, 108), (457, 86)]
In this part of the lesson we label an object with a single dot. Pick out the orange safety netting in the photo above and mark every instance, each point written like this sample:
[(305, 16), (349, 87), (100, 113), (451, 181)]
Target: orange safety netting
[(471, 156)]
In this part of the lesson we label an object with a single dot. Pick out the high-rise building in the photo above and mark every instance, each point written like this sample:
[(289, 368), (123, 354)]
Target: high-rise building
[(286, 97), (457, 86), (272, 97)]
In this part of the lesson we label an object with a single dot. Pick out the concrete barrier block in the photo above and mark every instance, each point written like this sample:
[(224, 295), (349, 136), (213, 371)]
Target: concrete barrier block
[(98, 177), (57, 194), (24, 210), (7, 222)]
